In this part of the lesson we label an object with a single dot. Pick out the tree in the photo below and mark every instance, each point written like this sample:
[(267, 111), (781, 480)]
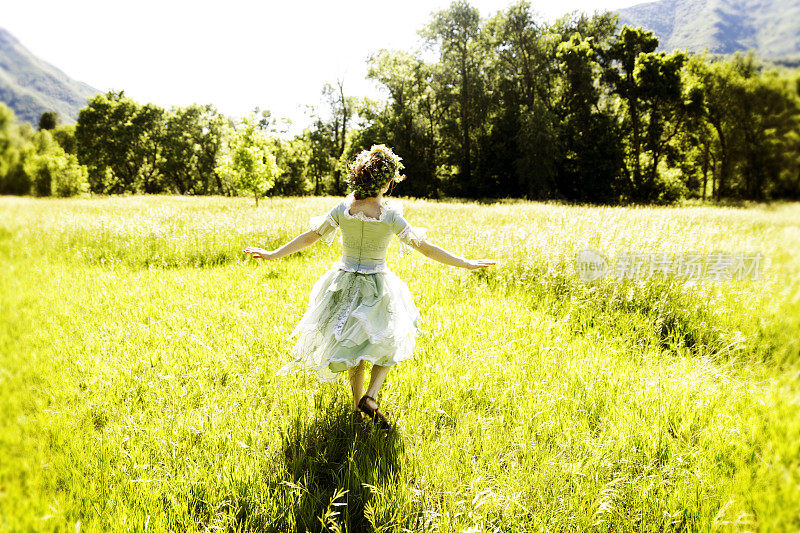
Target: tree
[(656, 104), (668, 104), (65, 137), (247, 160), (51, 170), (49, 120), (619, 63), (766, 114), (14, 144), (292, 157), (590, 159), (457, 32), (752, 118), (320, 141), (119, 141), (521, 141), (190, 143), (341, 109), (408, 122)]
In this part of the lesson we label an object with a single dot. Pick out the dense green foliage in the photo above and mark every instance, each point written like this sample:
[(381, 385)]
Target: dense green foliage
[(53, 171), (120, 146), (582, 110), (247, 159), (37, 162), (49, 120), (577, 110), (138, 351)]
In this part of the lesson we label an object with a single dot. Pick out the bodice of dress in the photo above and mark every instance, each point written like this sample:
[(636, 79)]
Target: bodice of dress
[(365, 239)]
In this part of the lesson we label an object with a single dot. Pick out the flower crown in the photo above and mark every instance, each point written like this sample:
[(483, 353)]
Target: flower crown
[(370, 183)]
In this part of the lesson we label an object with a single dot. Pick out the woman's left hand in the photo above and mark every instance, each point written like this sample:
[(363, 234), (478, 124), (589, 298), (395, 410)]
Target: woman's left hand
[(472, 264), (258, 253)]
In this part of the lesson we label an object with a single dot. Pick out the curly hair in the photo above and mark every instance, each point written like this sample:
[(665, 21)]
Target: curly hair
[(372, 169)]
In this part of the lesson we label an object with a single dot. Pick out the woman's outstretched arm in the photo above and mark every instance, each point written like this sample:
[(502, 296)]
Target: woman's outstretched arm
[(443, 256), (298, 243)]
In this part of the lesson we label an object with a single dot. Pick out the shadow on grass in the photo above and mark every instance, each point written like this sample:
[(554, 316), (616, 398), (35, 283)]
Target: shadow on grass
[(327, 473), (332, 465)]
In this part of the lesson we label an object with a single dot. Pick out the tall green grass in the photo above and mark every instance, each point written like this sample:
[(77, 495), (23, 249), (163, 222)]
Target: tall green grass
[(138, 347)]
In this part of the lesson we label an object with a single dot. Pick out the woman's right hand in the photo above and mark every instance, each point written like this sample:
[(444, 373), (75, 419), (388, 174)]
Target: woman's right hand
[(479, 263), (258, 253)]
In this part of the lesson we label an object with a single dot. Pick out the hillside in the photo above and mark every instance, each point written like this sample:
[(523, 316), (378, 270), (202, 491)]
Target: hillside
[(31, 86), (770, 27)]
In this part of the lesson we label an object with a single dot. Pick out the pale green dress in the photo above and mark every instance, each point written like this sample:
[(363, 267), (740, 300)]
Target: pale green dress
[(359, 309)]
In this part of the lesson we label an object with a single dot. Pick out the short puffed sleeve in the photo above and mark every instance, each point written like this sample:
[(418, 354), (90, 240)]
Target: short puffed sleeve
[(325, 225), (406, 233)]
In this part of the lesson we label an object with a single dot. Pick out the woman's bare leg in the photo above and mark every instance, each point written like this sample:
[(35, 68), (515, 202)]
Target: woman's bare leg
[(377, 376), (356, 374)]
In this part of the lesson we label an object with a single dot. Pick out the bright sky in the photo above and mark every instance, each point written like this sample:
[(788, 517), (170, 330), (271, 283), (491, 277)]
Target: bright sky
[(234, 54)]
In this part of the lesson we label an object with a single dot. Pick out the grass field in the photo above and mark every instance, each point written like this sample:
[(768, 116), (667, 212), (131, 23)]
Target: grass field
[(138, 346)]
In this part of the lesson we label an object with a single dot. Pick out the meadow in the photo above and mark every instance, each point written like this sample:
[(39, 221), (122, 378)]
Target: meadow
[(138, 347)]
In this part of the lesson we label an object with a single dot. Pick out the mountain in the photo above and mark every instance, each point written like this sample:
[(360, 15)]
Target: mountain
[(31, 86), (770, 27)]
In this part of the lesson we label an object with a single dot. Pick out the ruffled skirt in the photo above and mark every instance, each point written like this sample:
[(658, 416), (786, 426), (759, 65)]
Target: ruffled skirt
[(353, 317)]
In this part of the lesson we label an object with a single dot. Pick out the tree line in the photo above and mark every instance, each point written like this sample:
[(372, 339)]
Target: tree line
[(578, 110)]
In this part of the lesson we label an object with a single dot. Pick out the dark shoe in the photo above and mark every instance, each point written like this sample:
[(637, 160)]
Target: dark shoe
[(376, 414)]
